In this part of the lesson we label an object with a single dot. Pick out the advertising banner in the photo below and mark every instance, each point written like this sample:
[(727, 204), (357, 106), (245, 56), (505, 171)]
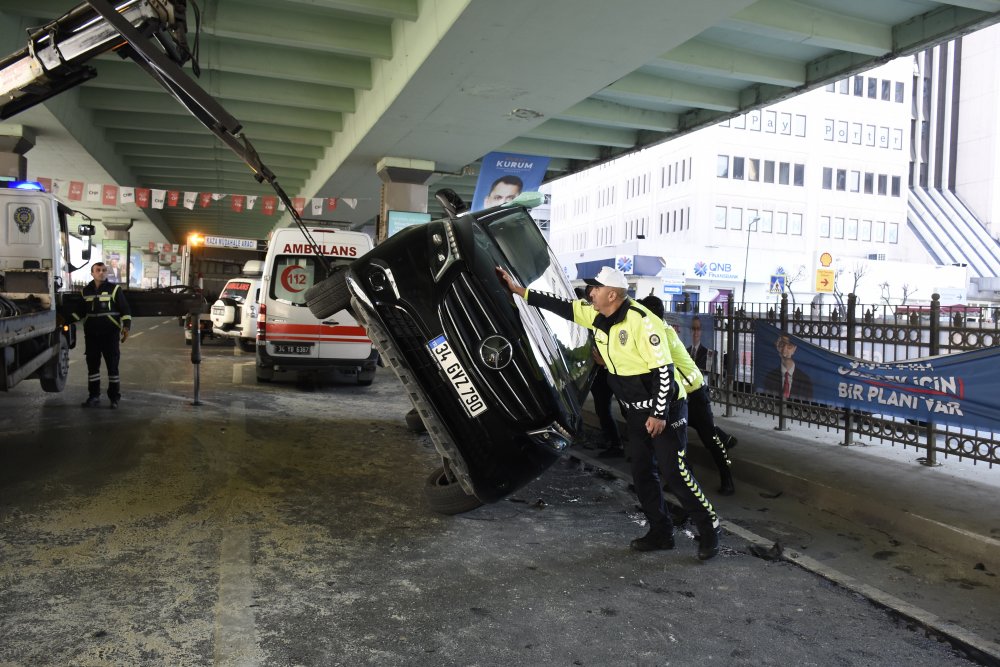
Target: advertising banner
[(401, 219), (955, 389), (697, 331), (114, 254), (504, 176)]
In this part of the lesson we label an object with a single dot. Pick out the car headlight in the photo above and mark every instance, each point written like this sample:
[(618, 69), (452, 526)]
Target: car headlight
[(443, 247)]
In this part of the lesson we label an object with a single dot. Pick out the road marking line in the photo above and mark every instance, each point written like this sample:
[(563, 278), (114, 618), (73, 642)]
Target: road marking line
[(238, 371)]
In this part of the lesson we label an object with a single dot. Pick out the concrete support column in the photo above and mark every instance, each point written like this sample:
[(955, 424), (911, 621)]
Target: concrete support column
[(404, 188), (15, 141)]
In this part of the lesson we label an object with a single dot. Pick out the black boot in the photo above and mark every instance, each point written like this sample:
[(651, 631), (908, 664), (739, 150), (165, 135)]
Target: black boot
[(656, 539), (726, 488), (708, 540)]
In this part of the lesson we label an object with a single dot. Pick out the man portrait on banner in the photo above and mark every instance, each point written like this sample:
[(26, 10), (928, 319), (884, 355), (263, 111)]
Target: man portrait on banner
[(788, 380), (503, 190)]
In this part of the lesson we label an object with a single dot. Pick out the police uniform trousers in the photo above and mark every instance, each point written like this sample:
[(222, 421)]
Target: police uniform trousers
[(668, 450), (102, 338), (602, 406), (703, 422)]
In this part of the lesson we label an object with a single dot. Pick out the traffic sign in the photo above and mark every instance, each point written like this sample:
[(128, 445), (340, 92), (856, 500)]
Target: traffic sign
[(824, 280), (778, 284)]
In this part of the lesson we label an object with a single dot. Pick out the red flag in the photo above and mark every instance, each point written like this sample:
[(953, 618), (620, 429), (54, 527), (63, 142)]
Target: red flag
[(75, 190), (142, 197), (204, 199), (236, 202), (109, 195), (167, 247), (267, 205), (331, 203), (300, 204), (45, 183), (173, 197)]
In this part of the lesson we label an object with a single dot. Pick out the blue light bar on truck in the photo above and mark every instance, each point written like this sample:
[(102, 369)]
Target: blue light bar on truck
[(22, 185)]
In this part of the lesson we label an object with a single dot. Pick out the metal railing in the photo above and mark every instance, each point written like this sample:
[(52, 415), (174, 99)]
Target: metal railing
[(879, 333)]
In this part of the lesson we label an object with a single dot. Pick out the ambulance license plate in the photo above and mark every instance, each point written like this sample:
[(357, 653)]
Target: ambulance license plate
[(468, 395), (293, 348)]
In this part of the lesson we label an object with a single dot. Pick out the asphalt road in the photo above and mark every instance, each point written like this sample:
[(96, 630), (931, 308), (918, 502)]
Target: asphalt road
[(284, 524)]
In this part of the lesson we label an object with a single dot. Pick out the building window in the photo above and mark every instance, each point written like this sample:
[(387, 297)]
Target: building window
[(866, 230), (893, 233), (785, 120), (886, 90), (841, 180), (899, 92), (783, 173), (738, 168), (753, 169), (828, 129), (831, 87), (799, 175), (769, 171), (895, 186), (781, 222), (824, 227), (843, 86), (740, 122), (766, 222), (722, 166), (854, 181), (827, 178), (852, 229), (838, 228), (883, 183), (799, 127), (795, 225), (859, 86), (720, 217), (879, 232), (736, 218), (842, 131), (872, 87), (869, 182)]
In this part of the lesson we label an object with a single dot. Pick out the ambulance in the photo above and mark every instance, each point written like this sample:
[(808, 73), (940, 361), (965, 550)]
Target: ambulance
[(291, 341)]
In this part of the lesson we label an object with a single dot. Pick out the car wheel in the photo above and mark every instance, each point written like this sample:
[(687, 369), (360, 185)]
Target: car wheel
[(446, 496), (330, 295), (414, 422), (55, 372)]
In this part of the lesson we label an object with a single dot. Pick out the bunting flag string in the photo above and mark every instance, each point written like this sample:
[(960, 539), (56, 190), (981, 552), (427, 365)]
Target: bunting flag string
[(113, 195)]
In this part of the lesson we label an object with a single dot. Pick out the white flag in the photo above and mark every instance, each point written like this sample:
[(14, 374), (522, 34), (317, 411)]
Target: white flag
[(281, 205), (189, 199), (126, 195), (60, 186), (93, 192), (317, 207), (353, 203), (216, 196), (251, 200), (158, 197)]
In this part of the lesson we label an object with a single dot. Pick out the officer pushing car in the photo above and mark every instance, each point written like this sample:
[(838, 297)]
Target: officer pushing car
[(632, 341)]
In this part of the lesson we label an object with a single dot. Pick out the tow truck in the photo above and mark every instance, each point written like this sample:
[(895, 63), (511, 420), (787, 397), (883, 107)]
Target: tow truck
[(34, 337)]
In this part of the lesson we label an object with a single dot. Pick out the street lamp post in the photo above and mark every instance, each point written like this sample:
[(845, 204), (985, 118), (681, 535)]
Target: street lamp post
[(746, 262)]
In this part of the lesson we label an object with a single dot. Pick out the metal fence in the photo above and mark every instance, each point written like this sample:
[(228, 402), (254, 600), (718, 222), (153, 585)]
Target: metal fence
[(879, 333)]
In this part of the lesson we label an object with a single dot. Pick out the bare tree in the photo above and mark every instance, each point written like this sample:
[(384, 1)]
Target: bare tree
[(791, 279), (908, 292), (886, 295), (860, 270)]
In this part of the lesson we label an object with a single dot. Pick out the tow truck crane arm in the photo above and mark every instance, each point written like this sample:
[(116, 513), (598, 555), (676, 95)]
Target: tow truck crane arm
[(152, 33)]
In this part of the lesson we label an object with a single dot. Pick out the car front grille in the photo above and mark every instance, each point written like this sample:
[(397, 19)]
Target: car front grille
[(468, 320)]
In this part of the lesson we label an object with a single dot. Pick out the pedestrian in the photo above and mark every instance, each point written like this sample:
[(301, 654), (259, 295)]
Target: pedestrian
[(641, 373), (700, 416), (602, 394), (106, 322)]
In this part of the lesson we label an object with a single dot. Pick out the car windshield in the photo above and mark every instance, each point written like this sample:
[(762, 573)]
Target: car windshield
[(237, 291)]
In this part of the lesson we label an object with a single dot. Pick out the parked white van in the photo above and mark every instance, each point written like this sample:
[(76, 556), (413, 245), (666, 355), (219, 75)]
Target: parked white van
[(290, 339), (234, 314)]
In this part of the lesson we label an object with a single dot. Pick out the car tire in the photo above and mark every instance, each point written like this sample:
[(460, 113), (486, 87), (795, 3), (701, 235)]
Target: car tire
[(330, 295), (414, 422), (55, 372), (446, 496)]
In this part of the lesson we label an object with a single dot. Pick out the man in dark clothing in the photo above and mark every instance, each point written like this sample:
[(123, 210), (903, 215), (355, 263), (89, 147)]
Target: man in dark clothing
[(106, 322), (641, 373)]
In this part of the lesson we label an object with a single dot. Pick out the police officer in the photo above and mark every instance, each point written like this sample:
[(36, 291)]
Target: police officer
[(700, 414), (106, 322), (642, 376)]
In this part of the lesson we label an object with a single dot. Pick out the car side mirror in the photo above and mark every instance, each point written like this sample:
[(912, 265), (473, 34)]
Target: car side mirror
[(85, 230)]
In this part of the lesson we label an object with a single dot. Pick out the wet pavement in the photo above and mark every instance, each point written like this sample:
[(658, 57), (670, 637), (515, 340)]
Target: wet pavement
[(284, 524)]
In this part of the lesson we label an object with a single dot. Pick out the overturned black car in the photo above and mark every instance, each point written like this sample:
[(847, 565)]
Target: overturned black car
[(498, 385)]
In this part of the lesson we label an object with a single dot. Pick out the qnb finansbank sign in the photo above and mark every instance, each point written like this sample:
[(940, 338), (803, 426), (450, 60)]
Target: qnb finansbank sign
[(234, 243), (716, 270)]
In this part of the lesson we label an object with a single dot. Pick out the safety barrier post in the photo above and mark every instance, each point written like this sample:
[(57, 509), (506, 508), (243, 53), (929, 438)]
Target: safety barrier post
[(934, 349), (196, 352), (729, 359), (852, 321), (782, 419)]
